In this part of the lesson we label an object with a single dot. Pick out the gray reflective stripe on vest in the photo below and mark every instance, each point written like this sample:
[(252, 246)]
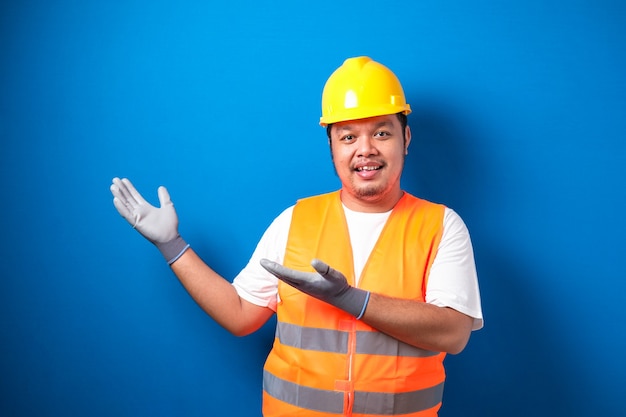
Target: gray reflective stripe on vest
[(377, 403), (336, 341), (376, 343), (303, 397), (312, 339), (386, 404)]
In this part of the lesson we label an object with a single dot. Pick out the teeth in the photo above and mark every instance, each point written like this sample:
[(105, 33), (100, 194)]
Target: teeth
[(368, 168)]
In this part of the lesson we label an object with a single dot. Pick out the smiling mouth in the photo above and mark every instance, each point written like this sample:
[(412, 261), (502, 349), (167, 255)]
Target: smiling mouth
[(368, 168)]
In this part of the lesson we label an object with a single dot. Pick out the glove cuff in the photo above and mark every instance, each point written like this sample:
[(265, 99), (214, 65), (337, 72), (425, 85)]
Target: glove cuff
[(173, 249), (354, 301)]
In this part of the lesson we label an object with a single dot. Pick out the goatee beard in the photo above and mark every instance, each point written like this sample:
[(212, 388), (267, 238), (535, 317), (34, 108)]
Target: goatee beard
[(367, 192)]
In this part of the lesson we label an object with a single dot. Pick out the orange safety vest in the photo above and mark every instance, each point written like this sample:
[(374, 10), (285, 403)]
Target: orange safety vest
[(324, 362)]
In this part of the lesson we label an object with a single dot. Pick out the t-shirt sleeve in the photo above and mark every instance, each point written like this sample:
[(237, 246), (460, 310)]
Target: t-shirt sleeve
[(453, 280), (254, 284)]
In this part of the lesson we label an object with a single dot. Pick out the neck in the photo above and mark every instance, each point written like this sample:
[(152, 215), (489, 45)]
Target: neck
[(374, 204)]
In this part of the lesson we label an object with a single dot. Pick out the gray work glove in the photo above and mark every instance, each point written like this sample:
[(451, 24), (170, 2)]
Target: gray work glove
[(327, 284), (158, 225)]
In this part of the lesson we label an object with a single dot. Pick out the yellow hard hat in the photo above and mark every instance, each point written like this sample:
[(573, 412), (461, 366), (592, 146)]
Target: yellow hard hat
[(361, 88)]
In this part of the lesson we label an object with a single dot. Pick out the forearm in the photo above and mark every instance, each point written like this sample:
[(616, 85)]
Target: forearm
[(419, 324), (217, 297)]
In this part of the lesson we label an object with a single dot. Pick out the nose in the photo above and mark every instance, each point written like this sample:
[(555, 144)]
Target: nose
[(366, 146)]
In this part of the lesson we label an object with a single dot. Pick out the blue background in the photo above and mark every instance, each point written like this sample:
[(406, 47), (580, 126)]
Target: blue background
[(519, 124)]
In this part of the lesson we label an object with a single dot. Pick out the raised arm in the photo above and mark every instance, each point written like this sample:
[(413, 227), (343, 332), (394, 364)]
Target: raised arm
[(214, 294), (217, 297)]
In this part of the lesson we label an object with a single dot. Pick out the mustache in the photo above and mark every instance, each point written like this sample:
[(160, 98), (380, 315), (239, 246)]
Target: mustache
[(365, 161)]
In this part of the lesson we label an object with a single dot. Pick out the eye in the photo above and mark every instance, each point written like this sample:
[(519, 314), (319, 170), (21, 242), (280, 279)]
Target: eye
[(347, 138), (382, 134)]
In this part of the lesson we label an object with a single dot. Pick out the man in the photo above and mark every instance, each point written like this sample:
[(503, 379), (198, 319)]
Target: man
[(371, 286)]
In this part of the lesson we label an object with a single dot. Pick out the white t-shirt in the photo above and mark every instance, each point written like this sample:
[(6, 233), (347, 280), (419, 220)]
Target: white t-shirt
[(452, 282)]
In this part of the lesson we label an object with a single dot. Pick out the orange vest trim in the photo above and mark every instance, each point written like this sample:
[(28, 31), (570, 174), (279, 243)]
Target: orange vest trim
[(324, 362)]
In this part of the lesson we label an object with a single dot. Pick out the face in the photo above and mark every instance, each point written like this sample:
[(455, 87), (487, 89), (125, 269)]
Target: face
[(368, 155)]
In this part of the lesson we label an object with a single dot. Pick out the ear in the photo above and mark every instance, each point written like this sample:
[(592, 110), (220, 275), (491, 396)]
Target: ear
[(407, 139)]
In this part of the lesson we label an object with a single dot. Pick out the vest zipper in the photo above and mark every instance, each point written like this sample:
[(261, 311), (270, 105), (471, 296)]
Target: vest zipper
[(351, 353)]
